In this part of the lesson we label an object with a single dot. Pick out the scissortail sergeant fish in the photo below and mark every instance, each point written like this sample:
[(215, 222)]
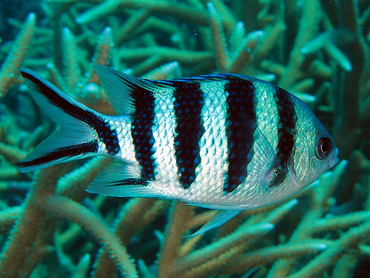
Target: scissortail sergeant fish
[(218, 141)]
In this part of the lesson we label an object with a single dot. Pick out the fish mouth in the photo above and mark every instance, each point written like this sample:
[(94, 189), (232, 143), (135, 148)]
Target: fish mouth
[(334, 160)]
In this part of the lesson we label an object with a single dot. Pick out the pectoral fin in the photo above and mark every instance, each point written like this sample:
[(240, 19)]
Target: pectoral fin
[(221, 217)]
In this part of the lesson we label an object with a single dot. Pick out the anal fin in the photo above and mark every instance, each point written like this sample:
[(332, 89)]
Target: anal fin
[(122, 179)]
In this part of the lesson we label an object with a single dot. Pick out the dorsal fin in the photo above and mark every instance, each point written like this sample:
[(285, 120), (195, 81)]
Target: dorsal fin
[(119, 87)]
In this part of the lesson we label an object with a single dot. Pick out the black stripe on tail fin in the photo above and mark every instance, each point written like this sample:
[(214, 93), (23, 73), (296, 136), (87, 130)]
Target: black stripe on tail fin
[(80, 127), (60, 153)]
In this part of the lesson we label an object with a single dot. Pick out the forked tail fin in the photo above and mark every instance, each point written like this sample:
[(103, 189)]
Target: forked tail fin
[(79, 129)]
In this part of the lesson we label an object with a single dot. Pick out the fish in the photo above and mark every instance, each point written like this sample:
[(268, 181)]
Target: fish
[(219, 141)]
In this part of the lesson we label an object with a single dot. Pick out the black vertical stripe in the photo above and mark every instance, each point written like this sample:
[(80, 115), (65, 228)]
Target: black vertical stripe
[(286, 131), (240, 127), (189, 129), (105, 132), (141, 131)]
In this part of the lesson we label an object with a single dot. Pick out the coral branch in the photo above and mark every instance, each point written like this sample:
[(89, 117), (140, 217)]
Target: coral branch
[(131, 24), (271, 254), (334, 252), (70, 53), (341, 222), (63, 207), (73, 184), (102, 54), (9, 69), (8, 217), (181, 11), (135, 215), (219, 40), (12, 154), (206, 260), (178, 224), (308, 28), (347, 103), (24, 233)]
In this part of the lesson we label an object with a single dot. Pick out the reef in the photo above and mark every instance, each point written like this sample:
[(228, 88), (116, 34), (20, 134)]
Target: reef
[(316, 49)]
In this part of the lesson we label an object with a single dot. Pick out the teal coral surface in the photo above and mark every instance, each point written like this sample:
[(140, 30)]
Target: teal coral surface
[(316, 49)]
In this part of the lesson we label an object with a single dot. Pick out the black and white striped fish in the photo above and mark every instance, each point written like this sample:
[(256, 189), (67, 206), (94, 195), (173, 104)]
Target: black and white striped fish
[(219, 141)]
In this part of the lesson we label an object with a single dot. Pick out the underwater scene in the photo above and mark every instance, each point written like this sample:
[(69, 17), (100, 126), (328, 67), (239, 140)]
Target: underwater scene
[(302, 224)]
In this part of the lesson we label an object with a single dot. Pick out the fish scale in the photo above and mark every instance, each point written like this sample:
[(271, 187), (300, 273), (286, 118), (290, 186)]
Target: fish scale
[(219, 141), (164, 135)]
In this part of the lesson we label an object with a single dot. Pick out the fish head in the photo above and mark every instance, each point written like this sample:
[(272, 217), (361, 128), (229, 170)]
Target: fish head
[(315, 154), (323, 156)]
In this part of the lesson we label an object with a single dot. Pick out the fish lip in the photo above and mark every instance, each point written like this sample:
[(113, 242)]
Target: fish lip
[(334, 160)]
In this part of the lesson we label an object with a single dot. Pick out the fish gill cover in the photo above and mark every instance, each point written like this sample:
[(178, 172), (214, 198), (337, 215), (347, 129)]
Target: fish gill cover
[(317, 50)]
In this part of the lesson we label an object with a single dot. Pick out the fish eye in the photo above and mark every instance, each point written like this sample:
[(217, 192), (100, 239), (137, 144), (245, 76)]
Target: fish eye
[(324, 147)]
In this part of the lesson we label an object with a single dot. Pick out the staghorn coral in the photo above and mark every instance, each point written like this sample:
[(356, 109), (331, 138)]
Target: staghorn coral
[(316, 49), (15, 58)]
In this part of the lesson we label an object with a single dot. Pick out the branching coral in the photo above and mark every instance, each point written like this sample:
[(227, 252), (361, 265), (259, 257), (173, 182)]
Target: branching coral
[(13, 61), (316, 49)]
